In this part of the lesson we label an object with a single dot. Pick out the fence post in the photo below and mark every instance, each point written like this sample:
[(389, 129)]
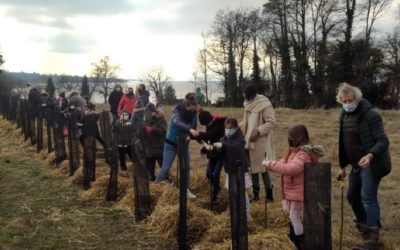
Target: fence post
[(27, 120), (237, 199), (140, 177), (39, 133), (49, 125), (59, 144), (317, 206), (183, 185), (73, 141)]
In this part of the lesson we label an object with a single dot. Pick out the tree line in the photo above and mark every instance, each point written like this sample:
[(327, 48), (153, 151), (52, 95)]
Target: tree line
[(298, 51)]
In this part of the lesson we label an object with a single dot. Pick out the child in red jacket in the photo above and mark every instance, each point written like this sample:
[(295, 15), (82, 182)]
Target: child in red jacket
[(291, 167)]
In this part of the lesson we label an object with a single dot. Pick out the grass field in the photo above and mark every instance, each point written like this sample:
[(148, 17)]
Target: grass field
[(43, 208)]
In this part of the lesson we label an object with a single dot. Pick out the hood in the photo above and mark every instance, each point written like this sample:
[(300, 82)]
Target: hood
[(259, 103), (313, 149)]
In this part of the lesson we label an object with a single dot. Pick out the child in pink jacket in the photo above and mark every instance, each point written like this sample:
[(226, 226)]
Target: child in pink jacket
[(291, 167)]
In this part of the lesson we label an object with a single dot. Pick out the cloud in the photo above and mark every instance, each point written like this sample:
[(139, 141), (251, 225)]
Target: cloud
[(71, 43), (56, 11)]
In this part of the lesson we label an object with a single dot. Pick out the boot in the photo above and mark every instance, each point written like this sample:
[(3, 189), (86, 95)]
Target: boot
[(362, 228), (269, 195), (370, 242), (256, 194), (291, 233), (299, 241), (214, 196)]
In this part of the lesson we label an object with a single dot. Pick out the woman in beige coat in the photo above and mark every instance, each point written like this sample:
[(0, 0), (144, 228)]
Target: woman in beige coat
[(257, 126)]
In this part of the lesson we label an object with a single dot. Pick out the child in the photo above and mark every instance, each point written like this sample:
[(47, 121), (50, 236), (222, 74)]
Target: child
[(233, 138), (89, 124), (124, 130), (291, 167), (183, 123), (155, 128)]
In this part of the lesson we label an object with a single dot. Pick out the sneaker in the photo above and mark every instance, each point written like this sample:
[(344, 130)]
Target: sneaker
[(190, 195)]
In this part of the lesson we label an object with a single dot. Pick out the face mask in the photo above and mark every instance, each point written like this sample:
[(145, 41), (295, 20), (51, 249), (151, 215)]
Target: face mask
[(87, 112), (350, 107), (229, 131), (118, 89)]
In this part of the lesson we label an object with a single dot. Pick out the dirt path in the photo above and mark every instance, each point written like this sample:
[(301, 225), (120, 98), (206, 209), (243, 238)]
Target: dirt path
[(38, 211)]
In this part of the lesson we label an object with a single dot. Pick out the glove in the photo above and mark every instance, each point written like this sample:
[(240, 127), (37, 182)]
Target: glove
[(217, 144), (266, 163), (148, 129)]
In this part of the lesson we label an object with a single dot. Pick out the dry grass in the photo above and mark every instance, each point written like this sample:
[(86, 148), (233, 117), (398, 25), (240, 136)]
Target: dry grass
[(208, 230)]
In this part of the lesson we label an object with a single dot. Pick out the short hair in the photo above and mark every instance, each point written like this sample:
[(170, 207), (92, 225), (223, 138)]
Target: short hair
[(250, 92), (345, 89), (190, 100), (232, 121)]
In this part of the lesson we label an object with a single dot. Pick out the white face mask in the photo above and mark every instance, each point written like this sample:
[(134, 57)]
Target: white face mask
[(349, 107), (229, 131), (125, 117), (118, 89)]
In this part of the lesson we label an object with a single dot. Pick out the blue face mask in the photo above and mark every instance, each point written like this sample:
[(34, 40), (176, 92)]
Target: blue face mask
[(350, 107), (229, 131)]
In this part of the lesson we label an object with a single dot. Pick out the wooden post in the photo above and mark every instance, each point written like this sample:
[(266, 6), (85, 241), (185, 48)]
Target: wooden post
[(106, 134), (140, 179), (49, 125), (183, 185), (39, 119), (59, 144), (237, 198), (317, 206), (73, 141), (27, 120), (89, 160)]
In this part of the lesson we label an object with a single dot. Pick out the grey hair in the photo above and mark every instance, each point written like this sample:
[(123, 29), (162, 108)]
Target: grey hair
[(345, 89)]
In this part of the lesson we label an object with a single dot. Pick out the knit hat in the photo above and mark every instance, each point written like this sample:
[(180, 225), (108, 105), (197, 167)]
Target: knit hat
[(150, 107), (205, 117)]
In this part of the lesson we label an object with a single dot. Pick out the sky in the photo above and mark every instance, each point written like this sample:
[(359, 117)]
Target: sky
[(65, 37)]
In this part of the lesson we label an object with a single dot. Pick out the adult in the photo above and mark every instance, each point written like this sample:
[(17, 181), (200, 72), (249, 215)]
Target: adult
[(364, 145), (76, 101), (200, 97), (113, 100), (257, 126), (183, 123), (128, 102), (143, 94), (215, 130)]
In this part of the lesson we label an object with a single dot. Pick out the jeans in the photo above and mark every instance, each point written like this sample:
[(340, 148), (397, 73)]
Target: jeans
[(170, 153), (214, 168), (151, 165), (114, 118), (255, 179), (363, 196)]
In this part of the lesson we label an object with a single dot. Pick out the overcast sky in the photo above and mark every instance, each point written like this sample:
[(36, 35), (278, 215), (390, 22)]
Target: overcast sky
[(60, 36)]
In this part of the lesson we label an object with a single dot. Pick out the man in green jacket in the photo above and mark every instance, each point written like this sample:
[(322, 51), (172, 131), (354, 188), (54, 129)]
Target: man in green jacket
[(364, 145)]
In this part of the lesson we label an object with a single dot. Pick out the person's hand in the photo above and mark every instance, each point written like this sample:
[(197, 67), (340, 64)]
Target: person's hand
[(128, 123), (254, 135), (194, 132), (341, 174), (218, 144), (207, 146), (79, 124), (266, 163), (365, 161), (148, 129)]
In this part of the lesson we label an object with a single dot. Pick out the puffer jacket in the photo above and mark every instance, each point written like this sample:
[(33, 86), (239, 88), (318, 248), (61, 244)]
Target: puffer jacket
[(180, 124), (124, 132), (293, 170)]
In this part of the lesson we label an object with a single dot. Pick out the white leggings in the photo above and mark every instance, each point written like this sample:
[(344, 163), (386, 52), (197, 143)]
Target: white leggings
[(294, 215)]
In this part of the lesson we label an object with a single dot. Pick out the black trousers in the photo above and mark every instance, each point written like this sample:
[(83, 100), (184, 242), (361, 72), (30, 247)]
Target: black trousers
[(151, 166), (122, 152)]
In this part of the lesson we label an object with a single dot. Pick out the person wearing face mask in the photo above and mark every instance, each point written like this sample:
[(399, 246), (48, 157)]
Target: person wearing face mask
[(291, 167), (364, 145), (123, 131), (183, 123), (214, 132), (113, 100), (233, 139), (89, 125), (257, 126), (128, 102), (155, 128)]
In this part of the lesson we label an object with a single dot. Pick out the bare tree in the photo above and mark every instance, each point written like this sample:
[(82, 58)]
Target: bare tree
[(374, 10), (157, 80), (104, 75), (202, 64), (67, 83)]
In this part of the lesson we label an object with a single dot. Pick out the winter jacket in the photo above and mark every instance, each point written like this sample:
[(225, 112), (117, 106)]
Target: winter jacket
[(181, 123), (200, 97), (62, 103), (292, 171), (154, 137), (124, 132), (233, 150), (214, 132), (373, 139), (259, 114), (114, 99), (127, 103), (144, 97)]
